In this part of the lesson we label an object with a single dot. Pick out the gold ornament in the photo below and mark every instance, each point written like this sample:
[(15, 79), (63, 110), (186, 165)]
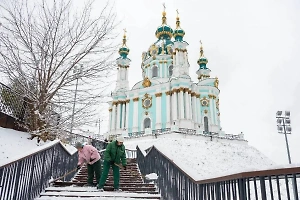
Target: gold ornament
[(146, 82), (153, 50), (147, 101), (204, 102), (216, 82)]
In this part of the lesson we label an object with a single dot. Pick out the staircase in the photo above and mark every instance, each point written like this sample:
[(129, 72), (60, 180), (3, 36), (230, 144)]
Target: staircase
[(131, 183)]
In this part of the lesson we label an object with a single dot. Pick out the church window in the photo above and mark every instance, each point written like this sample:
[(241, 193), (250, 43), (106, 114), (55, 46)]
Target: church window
[(170, 70), (147, 123), (205, 124), (154, 71)]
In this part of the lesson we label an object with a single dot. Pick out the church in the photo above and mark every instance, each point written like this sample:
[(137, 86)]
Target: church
[(166, 99)]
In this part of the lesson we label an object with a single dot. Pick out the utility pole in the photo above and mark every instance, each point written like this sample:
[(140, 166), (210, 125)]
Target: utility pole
[(77, 72)]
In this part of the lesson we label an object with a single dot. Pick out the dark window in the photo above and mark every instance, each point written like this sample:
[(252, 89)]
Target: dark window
[(170, 70), (147, 123), (154, 71), (206, 124)]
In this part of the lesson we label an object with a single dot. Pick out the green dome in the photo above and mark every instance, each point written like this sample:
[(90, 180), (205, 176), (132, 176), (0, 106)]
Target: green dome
[(124, 51), (202, 60), (178, 34), (164, 31)]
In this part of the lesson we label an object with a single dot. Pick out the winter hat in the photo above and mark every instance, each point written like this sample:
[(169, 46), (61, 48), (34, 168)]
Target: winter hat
[(120, 138), (78, 145)]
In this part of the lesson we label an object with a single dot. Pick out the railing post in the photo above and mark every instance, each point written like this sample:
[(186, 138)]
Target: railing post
[(263, 188), (242, 189), (31, 176)]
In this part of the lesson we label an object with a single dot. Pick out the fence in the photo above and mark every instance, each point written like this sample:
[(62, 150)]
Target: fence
[(27, 177), (175, 184)]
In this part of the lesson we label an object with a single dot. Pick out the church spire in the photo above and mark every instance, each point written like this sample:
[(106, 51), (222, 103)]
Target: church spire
[(124, 50), (164, 18), (202, 61), (203, 72), (164, 31), (178, 32)]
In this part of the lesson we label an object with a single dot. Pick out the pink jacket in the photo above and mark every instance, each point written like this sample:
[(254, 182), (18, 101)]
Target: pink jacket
[(87, 153)]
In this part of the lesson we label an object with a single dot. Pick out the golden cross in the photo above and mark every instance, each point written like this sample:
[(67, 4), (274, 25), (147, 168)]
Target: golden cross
[(164, 5), (201, 42), (177, 12), (124, 31)]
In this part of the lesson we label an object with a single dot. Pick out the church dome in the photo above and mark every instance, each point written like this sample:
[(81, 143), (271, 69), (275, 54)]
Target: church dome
[(164, 31), (124, 50), (178, 32), (202, 61)]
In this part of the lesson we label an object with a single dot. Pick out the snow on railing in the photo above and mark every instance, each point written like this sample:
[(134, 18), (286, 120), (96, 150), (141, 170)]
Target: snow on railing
[(26, 177), (174, 183)]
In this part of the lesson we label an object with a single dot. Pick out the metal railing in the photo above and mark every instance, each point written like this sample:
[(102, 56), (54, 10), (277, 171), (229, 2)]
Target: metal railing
[(27, 177), (175, 184)]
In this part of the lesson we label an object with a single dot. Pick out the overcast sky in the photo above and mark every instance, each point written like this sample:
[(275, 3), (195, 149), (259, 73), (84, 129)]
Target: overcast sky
[(253, 48)]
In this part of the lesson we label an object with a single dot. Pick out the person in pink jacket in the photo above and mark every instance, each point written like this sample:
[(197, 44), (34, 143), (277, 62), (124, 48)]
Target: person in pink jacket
[(89, 154)]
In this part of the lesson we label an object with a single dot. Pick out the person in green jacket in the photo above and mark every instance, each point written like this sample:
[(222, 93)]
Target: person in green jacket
[(114, 155)]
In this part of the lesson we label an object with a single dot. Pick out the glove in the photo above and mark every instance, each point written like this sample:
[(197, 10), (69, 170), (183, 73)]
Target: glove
[(112, 162), (78, 167), (124, 167)]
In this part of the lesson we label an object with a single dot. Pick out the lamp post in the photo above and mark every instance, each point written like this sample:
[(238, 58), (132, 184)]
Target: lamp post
[(284, 126), (77, 71)]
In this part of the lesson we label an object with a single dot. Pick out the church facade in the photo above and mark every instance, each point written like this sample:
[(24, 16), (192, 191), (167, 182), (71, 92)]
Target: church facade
[(166, 99)]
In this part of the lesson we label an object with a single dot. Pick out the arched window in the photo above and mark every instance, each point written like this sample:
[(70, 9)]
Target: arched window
[(170, 70), (147, 123), (154, 71), (206, 124)]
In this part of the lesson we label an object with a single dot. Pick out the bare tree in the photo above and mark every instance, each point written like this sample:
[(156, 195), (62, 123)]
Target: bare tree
[(41, 44)]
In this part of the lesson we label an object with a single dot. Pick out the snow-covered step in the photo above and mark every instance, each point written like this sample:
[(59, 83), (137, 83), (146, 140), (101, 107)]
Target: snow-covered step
[(91, 193), (91, 198)]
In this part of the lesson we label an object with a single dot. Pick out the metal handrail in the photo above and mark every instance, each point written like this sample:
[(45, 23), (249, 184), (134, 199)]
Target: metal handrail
[(175, 183)]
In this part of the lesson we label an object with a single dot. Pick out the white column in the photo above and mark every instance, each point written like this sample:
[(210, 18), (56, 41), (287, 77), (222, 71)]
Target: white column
[(187, 107), (199, 111), (212, 114), (194, 109), (190, 105), (174, 106), (123, 115), (135, 116), (158, 111), (185, 57), (168, 106), (113, 117), (109, 119), (181, 102), (127, 116), (177, 57), (118, 115)]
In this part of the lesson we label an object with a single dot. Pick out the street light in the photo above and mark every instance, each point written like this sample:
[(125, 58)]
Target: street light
[(77, 72), (284, 126)]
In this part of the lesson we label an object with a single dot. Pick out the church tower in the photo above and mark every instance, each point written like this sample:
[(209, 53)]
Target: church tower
[(165, 99), (123, 64)]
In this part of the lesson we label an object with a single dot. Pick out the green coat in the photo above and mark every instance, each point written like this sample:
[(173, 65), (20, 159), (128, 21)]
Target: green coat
[(115, 153)]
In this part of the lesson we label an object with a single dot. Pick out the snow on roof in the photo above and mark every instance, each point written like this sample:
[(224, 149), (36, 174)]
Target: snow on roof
[(204, 159)]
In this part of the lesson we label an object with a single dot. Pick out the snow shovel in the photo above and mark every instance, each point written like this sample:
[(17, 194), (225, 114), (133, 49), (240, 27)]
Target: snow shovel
[(63, 175), (119, 165)]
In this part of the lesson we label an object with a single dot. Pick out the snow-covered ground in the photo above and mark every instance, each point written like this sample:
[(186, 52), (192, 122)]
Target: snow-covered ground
[(204, 159), (15, 144)]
